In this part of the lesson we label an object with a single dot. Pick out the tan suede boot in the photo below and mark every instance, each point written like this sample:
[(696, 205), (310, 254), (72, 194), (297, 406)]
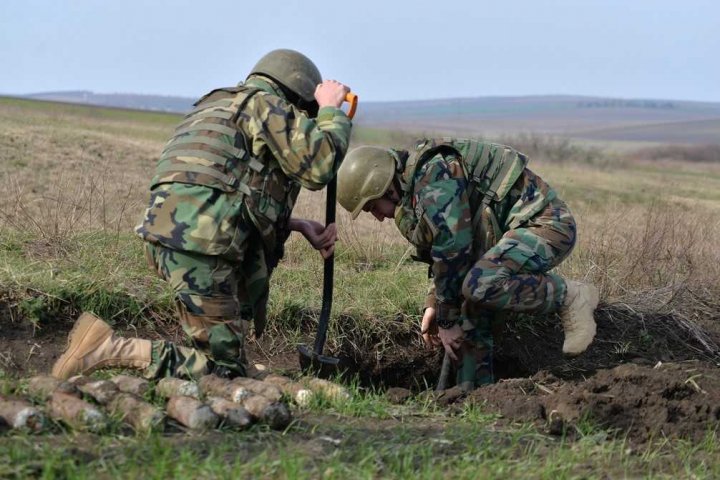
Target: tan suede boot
[(92, 344), (577, 317)]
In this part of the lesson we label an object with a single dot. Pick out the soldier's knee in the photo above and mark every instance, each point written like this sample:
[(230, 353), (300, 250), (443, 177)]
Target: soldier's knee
[(219, 306), (483, 276), (468, 286)]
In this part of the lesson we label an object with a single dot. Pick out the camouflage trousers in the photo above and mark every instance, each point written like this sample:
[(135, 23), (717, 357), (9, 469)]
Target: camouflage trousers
[(215, 301), (513, 276)]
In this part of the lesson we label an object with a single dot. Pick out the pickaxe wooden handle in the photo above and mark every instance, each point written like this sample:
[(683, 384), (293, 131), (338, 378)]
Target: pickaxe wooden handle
[(352, 99)]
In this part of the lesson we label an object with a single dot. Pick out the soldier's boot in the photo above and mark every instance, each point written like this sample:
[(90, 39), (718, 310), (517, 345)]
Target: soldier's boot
[(92, 344), (577, 317), (475, 368)]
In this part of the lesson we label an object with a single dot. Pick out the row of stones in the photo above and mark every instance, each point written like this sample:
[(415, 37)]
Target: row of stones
[(83, 403)]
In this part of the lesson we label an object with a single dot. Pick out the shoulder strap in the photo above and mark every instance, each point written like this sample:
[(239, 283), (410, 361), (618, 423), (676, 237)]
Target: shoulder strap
[(425, 149)]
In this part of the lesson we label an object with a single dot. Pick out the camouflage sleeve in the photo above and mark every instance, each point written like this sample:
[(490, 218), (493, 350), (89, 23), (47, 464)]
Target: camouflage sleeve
[(533, 195), (441, 194), (309, 151)]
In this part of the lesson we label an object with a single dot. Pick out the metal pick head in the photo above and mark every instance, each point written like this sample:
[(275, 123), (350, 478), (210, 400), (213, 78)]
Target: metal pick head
[(320, 365)]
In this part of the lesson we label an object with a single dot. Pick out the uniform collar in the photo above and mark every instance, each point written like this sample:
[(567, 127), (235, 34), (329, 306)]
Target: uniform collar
[(401, 159), (265, 84)]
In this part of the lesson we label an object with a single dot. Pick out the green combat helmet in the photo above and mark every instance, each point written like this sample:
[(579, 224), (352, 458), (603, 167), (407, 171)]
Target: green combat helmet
[(365, 174), (293, 70)]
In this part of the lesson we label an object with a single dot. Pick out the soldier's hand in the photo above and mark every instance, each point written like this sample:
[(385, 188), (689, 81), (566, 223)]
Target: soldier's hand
[(321, 238), (452, 339), (331, 93), (429, 329)]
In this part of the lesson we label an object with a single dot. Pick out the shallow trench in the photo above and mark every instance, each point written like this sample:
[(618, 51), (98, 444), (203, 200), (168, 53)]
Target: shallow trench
[(523, 348)]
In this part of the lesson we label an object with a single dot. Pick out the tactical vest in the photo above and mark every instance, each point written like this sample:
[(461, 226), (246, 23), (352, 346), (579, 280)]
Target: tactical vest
[(491, 170), (208, 149)]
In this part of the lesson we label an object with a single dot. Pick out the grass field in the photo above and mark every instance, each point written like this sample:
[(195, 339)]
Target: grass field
[(74, 183)]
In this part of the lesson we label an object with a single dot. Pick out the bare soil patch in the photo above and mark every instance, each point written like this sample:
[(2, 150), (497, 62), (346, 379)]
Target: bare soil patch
[(672, 400), (26, 347)]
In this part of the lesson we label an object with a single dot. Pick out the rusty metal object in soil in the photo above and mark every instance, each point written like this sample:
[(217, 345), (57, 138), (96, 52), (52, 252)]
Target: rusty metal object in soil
[(174, 387), (21, 414), (76, 413), (131, 384), (298, 392), (232, 414), (192, 413), (42, 387), (102, 391)]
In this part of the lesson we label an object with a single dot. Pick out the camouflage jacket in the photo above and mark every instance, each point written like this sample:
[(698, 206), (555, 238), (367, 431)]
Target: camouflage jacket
[(236, 163), (436, 215)]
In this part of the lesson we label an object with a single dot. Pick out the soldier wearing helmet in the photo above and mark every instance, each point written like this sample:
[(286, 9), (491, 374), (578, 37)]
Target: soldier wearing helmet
[(220, 211), (491, 231)]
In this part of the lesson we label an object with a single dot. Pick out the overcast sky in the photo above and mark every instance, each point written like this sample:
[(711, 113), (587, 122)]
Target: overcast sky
[(385, 50)]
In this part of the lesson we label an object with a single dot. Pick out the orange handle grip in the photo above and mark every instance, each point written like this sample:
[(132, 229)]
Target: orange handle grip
[(352, 99)]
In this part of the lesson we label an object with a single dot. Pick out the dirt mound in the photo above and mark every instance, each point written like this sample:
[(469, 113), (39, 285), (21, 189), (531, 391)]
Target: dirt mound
[(674, 400), (528, 345)]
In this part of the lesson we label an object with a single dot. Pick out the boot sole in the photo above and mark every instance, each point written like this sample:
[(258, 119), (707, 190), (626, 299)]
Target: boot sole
[(592, 303), (83, 326)]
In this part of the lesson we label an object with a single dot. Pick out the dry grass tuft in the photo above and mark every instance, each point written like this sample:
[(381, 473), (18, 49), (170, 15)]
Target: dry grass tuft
[(683, 153)]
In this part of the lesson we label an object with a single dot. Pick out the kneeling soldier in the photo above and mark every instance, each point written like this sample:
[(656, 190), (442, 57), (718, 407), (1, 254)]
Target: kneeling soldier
[(491, 231), (220, 211)]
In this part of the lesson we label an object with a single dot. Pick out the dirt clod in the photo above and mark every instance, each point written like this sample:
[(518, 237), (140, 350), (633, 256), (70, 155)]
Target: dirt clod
[(398, 395)]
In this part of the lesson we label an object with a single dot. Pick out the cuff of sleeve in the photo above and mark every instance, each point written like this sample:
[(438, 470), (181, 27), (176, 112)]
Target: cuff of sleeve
[(331, 114), (429, 300), (447, 315)]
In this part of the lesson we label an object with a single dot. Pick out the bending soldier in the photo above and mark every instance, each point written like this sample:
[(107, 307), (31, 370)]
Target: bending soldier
[(491, 231), (220, 211)]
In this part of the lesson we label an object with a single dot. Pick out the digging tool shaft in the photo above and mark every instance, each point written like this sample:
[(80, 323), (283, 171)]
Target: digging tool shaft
[(328, 269), (329, 266), (328, 274), (444, 374)]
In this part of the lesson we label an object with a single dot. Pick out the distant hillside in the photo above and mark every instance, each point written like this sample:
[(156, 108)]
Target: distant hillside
[(124, 100), (592, 118), (579, 117)]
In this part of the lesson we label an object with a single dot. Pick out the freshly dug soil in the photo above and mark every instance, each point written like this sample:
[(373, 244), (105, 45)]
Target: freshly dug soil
[(674, 400)]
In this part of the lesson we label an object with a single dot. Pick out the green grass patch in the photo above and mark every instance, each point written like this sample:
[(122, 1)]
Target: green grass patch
[(108, 275), (336, 446)]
